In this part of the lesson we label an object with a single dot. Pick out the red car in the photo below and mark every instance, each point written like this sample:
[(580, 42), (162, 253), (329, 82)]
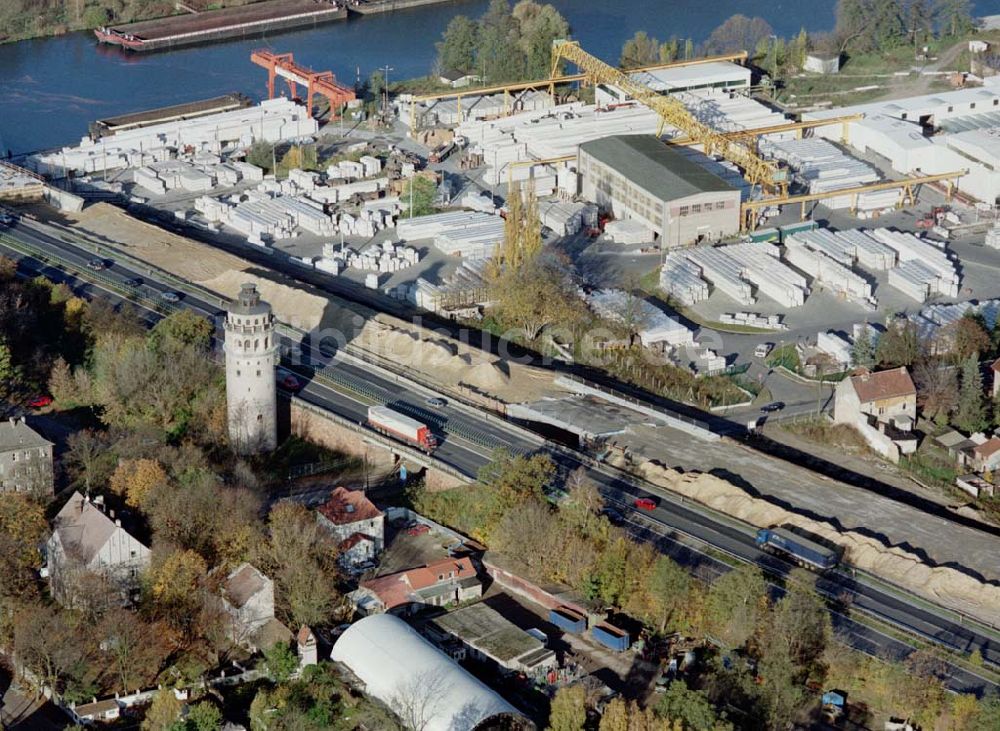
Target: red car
[(418, 530), (290, 383), (645, 503), (40, 402)]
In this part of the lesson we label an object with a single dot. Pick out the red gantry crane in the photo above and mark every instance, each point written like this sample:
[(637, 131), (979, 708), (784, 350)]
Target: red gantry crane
[(323, 83)]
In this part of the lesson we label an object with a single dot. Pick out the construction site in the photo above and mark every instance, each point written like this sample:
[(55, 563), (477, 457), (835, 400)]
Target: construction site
[(675, 172)]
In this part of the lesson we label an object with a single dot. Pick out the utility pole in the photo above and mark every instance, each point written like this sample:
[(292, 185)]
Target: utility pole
[(385, 93)]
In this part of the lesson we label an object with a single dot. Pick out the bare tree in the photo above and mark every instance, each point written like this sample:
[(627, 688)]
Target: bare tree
[(418, 700)]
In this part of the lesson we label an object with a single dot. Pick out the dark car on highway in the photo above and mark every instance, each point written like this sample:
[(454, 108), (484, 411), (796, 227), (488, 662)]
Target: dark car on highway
[(772, 407)]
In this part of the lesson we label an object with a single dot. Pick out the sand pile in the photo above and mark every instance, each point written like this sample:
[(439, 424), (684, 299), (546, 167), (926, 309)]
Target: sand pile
[(945, 586)]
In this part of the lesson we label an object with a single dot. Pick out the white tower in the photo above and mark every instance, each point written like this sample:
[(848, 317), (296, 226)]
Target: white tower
[(251, 391)]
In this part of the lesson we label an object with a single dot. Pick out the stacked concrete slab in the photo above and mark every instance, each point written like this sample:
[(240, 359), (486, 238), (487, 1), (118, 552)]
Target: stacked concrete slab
[(681, 279), (654, 327), (925, 266), (272, 120), (566, 218), (848, 247), (458, 233), (823, 167), (827, 271)]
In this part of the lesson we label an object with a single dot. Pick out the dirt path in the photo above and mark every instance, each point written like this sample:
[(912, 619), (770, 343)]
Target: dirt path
[(921, 85)]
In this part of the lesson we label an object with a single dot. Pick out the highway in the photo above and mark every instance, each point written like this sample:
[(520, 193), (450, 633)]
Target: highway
[(468, 437)]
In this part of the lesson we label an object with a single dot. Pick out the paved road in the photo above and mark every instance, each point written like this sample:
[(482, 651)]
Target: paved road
[(673, 516)]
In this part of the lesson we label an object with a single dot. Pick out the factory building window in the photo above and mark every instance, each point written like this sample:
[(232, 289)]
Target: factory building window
[(720, 205), (696, 208), (903, 115), (684, 211)]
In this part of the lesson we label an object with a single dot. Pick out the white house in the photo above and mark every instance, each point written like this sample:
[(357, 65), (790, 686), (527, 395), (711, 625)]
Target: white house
[(88, 543), (882, 406), (355, 523), (819, 63), (247, 598), (25, 459), (458, 79)]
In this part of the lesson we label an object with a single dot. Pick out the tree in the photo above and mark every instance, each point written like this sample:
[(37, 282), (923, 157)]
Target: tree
[(691, 707), (281, 662), (568, 711), (800, 621), (164, 712), (667, 590), (738, 33), (781, 692), (937, 389), (899, 345), (971, 415), (640, 50), (496, 53), (10, 374), (376, 84), (517, 478), (421, 191), (261, 154), (735, 605), (956, 16), (135, 479), (535, 295), (175, 584), (863, 349), (204, 716), (615, 716), (538, 26), (971, 336), (137, 648), (183, 327), (457, 48), (49, 644)]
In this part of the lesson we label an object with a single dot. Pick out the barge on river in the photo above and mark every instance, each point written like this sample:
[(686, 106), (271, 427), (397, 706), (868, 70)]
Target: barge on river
[(245, 21)]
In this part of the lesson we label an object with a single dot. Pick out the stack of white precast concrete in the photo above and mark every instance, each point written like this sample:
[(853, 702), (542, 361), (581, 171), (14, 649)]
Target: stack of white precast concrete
[(728, 112), (653, 326), (272, 121), (566, 218), (681, 279), (753, 319), (460, 233), (925, 267), (465, 287), (993, 237), (834, 345), (452, 112), (629, 232), (762, 267), (828, 271), (823, 167), (849, 247)]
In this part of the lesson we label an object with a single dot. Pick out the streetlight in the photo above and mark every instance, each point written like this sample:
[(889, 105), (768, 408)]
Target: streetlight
[(385, 91)]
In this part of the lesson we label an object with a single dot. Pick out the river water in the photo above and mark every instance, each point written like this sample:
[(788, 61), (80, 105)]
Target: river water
[(50, 89)]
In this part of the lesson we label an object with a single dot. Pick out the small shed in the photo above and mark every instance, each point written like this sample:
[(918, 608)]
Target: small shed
[(821, 63)]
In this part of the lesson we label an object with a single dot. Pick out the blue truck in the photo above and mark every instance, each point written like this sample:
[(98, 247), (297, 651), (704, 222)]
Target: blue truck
[(800, 550), (611, 637)]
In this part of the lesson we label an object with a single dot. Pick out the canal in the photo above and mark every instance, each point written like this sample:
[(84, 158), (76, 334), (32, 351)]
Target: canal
[(51, 88)]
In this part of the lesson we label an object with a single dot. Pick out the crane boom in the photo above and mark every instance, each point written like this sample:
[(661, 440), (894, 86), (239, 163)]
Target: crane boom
[(673, 113)]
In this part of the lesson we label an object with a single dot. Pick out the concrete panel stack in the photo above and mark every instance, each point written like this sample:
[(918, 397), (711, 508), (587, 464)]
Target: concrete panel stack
[(304, 180), (722, 272), (226, 175), (826, 270), (681, 279), (628, 232), (993, 237), (196, 181), (655, 327), (248, 171), (372, 166), (565, 219), (823, 167), (921, 261), (836, 346), (148, 180)]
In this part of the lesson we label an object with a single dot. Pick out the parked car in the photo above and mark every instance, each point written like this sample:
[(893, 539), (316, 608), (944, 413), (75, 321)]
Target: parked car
[(97, 265), (773, 406), (134, 282), (437, 402), (170, 296), (763, 350), (40, 402), (645, 503), (290, 383)]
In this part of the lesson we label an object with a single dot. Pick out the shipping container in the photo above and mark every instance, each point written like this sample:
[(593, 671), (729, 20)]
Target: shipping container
[(795, 228), (764, 234), (611, 637), (568, 620)]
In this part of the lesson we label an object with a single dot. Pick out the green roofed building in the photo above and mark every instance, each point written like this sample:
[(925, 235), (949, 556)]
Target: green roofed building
[(637, 177)]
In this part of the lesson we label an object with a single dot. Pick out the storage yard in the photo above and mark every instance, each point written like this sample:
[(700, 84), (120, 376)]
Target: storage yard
[(608, 192)]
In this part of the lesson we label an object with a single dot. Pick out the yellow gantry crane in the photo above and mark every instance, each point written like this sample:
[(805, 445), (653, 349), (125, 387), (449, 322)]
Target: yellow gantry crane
[(672, 112)]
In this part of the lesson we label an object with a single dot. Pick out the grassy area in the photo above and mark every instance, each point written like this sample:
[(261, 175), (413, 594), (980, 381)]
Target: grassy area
[(786, 356), (931, 466), (838, 436)]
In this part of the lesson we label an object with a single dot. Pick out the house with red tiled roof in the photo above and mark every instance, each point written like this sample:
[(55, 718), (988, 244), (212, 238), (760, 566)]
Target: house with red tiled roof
[(882, 406), (995, 373), (886, 395), (986, 456), (444, 582), (356, 524)]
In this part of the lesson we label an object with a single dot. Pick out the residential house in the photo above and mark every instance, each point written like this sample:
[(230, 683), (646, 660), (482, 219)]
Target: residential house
[(91, 557), (308, 647), (356, 524), (986, 456), (449, 581), (96, 711), (995, 372), (25, 459), (882, 406), (247, 598), (458, 79)]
